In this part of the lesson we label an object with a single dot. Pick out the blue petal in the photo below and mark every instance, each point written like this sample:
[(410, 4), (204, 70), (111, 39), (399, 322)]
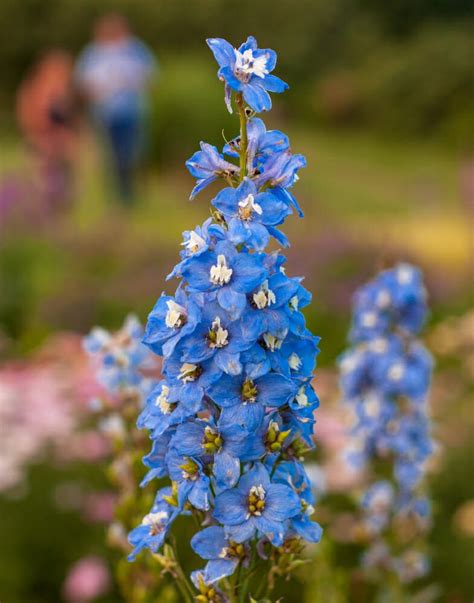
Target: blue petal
[(232, 302), (226, 469), (219, 568), (257, 97), (272, 83), (208, 543), (230, 508), (274, 389), (241, 532), (223, 51), (281, 503)]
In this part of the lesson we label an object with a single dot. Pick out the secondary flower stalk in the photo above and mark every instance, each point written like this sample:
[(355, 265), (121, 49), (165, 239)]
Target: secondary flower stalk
[(385, 378)]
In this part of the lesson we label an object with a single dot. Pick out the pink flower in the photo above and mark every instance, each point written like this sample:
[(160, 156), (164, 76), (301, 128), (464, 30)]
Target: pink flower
[(88, 579)]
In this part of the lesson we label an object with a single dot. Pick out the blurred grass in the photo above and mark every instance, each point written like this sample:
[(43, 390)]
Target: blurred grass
[(394, 200)]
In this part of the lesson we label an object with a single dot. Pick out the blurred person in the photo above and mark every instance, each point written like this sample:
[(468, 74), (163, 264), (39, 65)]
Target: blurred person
[(47, 118), (113, 73)]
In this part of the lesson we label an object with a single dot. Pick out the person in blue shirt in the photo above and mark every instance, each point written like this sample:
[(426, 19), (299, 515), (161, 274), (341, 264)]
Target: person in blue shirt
[(112, 74)]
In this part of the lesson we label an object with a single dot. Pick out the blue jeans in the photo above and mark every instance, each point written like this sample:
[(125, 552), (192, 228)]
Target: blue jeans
[(123, 132)]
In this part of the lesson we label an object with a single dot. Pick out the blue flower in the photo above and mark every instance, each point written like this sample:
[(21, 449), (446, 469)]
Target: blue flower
[(155, 460), (152, 531), (227, 272), (222, 554), (121, 357), (165, 407), (189, 381), (262, 143), (193, 483), (223, 445), (243, 399), (207, 165), (219, 338), (248, 70), (293, 474), (170, 320), (248, 213), (256, 506), (394, 297)]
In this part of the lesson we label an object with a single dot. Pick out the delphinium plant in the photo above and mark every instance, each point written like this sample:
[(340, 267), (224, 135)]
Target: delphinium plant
[(233, 416), (124, 368), (385, 378)]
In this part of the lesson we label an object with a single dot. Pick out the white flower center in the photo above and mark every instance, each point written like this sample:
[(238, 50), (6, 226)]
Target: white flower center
[(224, 552), (301, 397), (264, 297), (258, 491), (379, 345), (383, 299), (188, 372), (247, 65), (175, 316), (349, 363), (396, 371), (221, 273), (372, 406), (295, 362), (404, 275), (369, 319), (247, 207), (194, 243), (162, 400), (220, 336), (155, 521), (272, 342)]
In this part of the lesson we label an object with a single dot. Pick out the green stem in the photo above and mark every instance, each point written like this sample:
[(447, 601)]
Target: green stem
[(182, 581), (243, 136)]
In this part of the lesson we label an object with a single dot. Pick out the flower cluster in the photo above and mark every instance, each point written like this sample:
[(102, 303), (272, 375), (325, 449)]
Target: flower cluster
[(124, 367), (234, 412), (385, 377)]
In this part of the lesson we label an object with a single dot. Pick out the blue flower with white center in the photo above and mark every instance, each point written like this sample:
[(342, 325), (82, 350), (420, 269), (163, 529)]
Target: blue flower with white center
[(171, 319), (256, 506), (207, 165), (195, 242), (395, 297), (121, 357), (164, 408), (219, 338), (189, 380), (192, 482), (222, 445), (222, 554), (228, 273), (248, 70), (243, 399), (248, 213), (151, 533)]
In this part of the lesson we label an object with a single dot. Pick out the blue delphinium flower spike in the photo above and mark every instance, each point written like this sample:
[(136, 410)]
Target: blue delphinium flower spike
[(385, 377), (234, 411)]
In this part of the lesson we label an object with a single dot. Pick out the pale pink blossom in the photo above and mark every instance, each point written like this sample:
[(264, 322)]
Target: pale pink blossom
[(87, 579)]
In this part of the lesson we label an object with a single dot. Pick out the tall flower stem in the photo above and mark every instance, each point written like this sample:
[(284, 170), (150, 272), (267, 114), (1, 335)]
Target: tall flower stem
[(243, 135)]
